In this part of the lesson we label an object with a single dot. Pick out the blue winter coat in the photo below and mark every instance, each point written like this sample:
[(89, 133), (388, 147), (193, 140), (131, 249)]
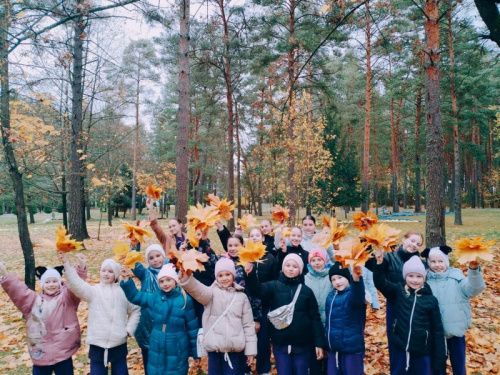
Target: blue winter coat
[(345, 319), (175, 328), (453, 291), (321, 286)]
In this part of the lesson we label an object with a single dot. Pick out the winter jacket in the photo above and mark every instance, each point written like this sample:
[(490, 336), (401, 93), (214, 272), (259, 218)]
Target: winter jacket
[(370, 288), (320, 284), (207, 277), (165, 240), (111, 317), (453, 291), (52, 328), (173, 338), (417, 328), (234, 332), (306, 328), (267, 270), (294, 250), (308, 245), (269, 242), (148, 276), (224, 235), (345, 319)]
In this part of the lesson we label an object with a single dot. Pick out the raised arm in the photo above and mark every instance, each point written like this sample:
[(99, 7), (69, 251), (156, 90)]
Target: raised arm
[(200, 292), (357, 296), (263, 291), (22, 296), (387, 288), (473, 284), (223, 233), (134, 296), (139, 271), (79, 287)]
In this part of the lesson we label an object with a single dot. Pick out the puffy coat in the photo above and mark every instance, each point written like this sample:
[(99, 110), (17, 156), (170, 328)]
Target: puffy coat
[(53, 335), (269, 242), (235, 332), (306, 328), (111, 317), (417, 328), (345, 319), (175, 328), (320, 284), (294, 250), (148, 276), (207, 277), (453, 291), (165, 240)]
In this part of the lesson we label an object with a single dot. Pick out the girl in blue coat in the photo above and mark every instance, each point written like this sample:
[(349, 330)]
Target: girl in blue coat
[(453, 291), (175, 327), (345, 321)]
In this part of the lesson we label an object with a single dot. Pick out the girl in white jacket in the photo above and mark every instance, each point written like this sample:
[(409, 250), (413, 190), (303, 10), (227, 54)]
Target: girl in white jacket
[(111, 317)]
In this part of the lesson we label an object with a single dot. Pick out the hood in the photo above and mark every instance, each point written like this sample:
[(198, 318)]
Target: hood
[(320, 274)]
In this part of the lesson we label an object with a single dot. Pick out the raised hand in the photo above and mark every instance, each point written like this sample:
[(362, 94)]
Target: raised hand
[(248, 267), (124, 273), (379, 255), (149, 204), (63, 258), (474, 265), (357, 272)]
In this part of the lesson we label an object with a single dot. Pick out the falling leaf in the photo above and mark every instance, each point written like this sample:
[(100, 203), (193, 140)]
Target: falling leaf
[(153, 192), (64, 243), (224, 206), (364, 221), (190, 260), (469, 249), (280, 214), (252, 252), (136, 231), (381, 236), (352, 252), (202, 218), (247, 221), (331, 233)]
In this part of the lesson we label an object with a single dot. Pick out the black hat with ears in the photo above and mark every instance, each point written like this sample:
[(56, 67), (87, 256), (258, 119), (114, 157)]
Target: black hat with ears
[(40, 270), (445, 249)]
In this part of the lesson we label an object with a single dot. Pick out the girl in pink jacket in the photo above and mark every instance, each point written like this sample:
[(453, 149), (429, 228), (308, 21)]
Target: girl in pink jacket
[(52, 328)]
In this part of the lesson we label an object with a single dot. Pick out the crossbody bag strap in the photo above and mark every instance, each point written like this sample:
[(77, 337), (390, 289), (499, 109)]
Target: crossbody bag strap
[(219, 318), (296, 295)]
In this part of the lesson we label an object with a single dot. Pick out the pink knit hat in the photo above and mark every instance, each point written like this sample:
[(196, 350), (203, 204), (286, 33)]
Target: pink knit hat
[(225, 264), (168, 270), (317, 253), (296, 258), (415, 265)]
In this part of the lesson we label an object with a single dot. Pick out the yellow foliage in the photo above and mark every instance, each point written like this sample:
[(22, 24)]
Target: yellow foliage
[(470, 249), (252, 252), (137, 231), (352, 252), (153, 192), (190, 260), (280, 214), (331, 234), (192, 235), (381, 236), (202, 218), (225, 207), (364, 221), (64, 243)]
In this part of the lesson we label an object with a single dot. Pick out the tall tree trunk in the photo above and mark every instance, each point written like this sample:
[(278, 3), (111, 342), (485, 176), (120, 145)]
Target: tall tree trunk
[(368, 101), (456, 135), (238, 160), (10, 159), (181, 181), (76, 208), (261, 142), (435, 200), (133, 211), (418, 117), (394, 167)]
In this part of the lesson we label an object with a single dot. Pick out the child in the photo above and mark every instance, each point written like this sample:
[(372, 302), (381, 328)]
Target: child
[(418, 336), (52, 328), (345, 324), (308, 232), (111, 317), (148, 276), (228, 327), (173, 338), (294, 248), (175, 225), (266, 228), (453, 291), (224, 233), (293, 344), (317, 279)]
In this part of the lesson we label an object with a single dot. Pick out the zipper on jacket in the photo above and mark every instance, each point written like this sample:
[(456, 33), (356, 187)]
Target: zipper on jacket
[(329, 317), (411, 319), (426, 337), (394, 325)]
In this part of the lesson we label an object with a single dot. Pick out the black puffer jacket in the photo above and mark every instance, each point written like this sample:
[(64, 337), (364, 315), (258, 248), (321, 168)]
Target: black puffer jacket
[(269, 242), (294, 250), (417, 328), (306, 328)]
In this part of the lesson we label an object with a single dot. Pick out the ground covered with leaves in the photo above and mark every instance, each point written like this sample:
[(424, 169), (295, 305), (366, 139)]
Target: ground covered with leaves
[(483, 343)]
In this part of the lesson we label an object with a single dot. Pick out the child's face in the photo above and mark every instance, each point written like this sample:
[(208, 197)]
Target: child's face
[(339, 282), (174, 227), (155, 259), (437, 263), (413, 243), (225, 279), (167, 283), (414, 280), (255, 236), (296, 237), (266, 227), (233, 244), (317, 263), (51, 286), (291, 269), (107, 275), (308, 226)]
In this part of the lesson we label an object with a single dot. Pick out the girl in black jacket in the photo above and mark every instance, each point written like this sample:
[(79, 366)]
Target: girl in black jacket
[(417, 331), (294, 248), (292, 345)]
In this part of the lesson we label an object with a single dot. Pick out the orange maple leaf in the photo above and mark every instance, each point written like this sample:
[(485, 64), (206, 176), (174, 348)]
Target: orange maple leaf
[(193, 239), (352, 252), (381, 236), (64, 243), (247, 221), (202, 218), (125, 256), (280, 214), (224, 206), (470, 249), (252, 252), (190, 260), (153, 192), (364, 221), (137, 231), (331, 233)]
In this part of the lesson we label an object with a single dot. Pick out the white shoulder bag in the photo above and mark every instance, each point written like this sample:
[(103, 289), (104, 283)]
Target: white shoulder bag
[(282, 316)]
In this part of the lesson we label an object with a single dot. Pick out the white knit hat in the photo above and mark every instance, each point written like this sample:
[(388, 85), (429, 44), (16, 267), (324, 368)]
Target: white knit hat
[(296, 258), (437, 251), (154, 247), (225, 264), (50, 273), (414, 265), (114, 266), (168, 270)]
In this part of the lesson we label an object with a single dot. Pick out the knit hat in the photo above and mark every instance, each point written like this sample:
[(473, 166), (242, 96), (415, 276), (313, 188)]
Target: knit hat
[(437, 251), (225, 264), (154, 247), (50, 273), (415, 265), (296, 258), (317, 253), (337, 269), (114, 266), (168, 270)]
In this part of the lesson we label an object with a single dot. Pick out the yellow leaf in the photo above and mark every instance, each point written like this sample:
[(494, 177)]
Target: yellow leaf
[(137, 231), (190, 260), (331, 233), (153, 192), (225, 207), (252, 252), (90, 166), (352, 252), (64, 243), (120, 250), (192, 237), (470, 249), (247, 221), (364, 221), (201, 217), (132, 258), (280, 214), (325, 8), (381, 236)]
